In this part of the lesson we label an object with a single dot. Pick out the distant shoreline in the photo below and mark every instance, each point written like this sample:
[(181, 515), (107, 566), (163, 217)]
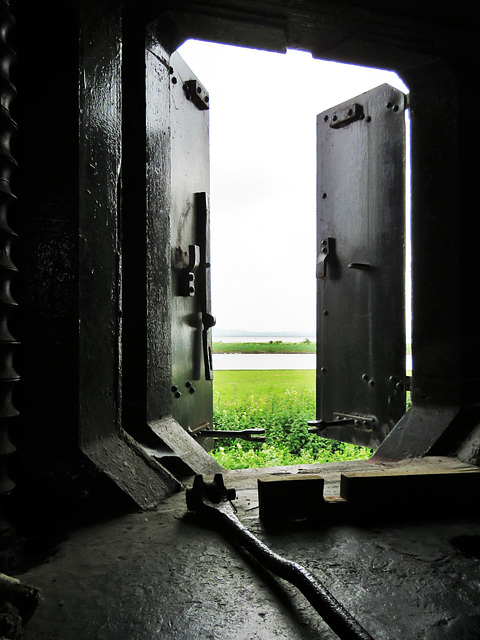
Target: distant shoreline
[(272, 346), (242, 333)]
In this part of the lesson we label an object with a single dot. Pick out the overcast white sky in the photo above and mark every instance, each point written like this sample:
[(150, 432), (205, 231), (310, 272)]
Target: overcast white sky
[(263, 109)]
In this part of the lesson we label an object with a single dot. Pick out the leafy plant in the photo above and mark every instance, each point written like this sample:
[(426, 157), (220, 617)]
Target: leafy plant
[(283, 413)]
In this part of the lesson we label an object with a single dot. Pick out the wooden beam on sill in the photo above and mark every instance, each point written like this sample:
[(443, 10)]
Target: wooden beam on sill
[(427, 487)]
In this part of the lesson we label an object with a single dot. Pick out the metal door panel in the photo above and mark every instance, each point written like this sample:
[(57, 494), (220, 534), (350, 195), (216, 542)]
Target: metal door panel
[(191, 389), (361, 266)]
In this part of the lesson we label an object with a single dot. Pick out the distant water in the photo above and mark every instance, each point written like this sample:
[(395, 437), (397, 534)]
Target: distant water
[(243, 361), (252, 361)]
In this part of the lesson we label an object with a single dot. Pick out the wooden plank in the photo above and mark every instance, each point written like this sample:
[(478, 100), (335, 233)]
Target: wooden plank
[(439, 486), (413, 490), (285, 499)]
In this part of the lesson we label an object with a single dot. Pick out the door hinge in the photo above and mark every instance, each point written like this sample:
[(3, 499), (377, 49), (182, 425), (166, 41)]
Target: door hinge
[(197, 94), (347, 115)]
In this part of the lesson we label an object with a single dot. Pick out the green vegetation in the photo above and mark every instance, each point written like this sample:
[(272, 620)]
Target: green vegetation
[(273, 346), (234, 387), (280, 402)]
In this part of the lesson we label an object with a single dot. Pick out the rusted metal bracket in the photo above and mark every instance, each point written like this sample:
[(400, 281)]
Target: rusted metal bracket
[(211, 501)]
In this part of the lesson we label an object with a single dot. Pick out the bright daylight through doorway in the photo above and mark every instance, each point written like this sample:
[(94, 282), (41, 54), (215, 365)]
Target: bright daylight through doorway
[(263, 109)]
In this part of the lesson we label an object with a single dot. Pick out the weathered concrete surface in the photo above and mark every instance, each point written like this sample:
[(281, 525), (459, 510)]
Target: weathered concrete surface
[(159, 575)]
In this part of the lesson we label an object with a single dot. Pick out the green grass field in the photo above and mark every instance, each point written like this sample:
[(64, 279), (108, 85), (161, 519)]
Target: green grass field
[(281, 402), (237, 386)]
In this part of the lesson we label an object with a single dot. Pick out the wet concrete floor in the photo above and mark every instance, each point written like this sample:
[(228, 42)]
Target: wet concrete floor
[(162, 575)]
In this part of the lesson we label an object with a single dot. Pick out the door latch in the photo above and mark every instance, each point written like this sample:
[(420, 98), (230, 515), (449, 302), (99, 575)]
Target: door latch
[(202, 207), (187, 277), (326, 246)]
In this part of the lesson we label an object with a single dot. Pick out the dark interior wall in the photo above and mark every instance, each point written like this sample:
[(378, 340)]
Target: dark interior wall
[(69, 148), (47, 464), (468, 220), (69, 151), (68, 322), (46, 219)]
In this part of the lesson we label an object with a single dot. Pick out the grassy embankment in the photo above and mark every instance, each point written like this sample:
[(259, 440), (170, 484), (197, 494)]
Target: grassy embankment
[(281, 402), (273, 346)]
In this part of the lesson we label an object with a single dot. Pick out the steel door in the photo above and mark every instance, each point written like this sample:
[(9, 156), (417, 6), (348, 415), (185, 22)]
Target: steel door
[(361, 266), (192, 375), (166, 319)]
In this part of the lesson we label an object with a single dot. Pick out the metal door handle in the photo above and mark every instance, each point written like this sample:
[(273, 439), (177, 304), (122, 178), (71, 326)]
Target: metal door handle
[(363, 266)]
